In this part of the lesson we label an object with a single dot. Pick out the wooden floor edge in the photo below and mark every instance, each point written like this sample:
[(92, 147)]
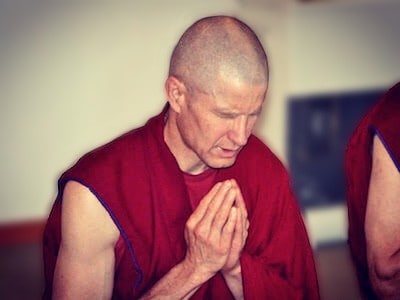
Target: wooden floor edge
[(22, 232)]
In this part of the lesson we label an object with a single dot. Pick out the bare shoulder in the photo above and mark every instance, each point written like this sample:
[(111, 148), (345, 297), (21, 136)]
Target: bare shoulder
[(383, 203), (85, 221), (383, 164), (85, 264)]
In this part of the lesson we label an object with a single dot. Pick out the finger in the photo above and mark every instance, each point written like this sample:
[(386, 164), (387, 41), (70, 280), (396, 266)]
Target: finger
[(222, 215), (239, 203), (247, 225), (244, 229), (243, 223), (199, 212), (219, 208), (240, 229), (201, 219), (239, 236), (229, 228)]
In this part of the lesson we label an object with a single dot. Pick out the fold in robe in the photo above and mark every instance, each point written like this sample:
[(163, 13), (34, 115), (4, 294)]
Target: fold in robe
[(382, 120), (138, 181)]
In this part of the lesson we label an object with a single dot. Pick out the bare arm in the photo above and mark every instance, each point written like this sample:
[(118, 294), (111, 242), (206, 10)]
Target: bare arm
[(382, 224), (209, 236), (85, 265)]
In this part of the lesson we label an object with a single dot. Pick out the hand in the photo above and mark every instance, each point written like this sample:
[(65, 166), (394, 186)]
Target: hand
[(210, 230), (240, 233)]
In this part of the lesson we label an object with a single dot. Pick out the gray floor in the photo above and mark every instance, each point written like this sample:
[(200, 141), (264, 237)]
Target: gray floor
[(336, 275), (21, 276)]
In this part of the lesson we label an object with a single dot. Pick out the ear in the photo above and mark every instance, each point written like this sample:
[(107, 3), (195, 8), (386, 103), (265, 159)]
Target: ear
[(176, 93)]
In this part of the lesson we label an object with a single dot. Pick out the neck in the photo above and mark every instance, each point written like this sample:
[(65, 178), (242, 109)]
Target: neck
[(187, 160)]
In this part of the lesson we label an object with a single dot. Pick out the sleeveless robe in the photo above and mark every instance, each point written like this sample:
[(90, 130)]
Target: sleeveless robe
[(138, 181)]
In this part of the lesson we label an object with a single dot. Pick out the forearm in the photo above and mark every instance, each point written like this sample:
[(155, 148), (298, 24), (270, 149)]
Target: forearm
[(215, 236), (234, 282), (181, 282)]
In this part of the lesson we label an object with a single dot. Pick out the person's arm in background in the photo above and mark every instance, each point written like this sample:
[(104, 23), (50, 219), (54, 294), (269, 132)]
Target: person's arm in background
[(382, 224)]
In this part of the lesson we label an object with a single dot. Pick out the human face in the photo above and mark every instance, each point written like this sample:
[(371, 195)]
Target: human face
[(215, 126)]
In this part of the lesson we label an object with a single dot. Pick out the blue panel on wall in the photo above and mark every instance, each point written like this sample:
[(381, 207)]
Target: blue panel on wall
[(319, 127)]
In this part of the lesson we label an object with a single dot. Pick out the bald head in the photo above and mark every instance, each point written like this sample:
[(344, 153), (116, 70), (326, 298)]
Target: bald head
[(218, 47)]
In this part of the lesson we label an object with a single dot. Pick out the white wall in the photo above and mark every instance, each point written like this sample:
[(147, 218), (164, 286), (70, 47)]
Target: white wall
[(344, 46), (74, 75)]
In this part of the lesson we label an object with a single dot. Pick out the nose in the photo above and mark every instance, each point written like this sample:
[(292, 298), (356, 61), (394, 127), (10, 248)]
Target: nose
[(240, 131)]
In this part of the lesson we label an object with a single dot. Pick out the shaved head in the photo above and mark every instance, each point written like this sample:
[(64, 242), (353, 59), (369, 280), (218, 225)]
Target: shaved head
[(218, 47)]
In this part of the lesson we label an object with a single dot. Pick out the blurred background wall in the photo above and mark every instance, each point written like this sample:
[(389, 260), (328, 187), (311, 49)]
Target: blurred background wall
[(75, 74), (341, 49)]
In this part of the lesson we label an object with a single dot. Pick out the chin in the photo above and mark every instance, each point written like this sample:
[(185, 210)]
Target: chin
[(221, 163)]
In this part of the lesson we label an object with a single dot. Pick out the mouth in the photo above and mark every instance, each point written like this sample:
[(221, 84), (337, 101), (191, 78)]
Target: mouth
[(228, 153)]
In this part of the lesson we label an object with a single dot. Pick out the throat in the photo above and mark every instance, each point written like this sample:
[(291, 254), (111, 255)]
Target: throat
[(187, 160), (196, 169)]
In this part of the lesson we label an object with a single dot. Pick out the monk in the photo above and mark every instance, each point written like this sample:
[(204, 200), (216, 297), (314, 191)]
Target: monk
[(373, 194), (191, 205)]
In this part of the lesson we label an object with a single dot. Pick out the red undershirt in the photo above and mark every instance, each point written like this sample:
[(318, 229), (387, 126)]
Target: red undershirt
[(199, 185)]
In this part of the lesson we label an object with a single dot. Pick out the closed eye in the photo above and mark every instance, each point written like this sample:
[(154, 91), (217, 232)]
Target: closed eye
[(231, 115), (255, 115), (226, 115)]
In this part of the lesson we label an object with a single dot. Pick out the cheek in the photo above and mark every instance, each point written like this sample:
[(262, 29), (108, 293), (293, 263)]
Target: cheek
[(217, 132), (203, 133), (250, 125)]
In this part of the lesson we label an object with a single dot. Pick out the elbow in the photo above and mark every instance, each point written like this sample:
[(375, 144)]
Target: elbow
[(384, 270), (385, 279)]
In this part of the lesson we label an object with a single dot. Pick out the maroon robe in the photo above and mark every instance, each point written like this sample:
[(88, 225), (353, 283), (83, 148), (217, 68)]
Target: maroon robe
[(384, 121), (138, 181)]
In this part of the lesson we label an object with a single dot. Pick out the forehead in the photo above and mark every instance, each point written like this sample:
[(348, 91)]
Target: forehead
[(236, 95)]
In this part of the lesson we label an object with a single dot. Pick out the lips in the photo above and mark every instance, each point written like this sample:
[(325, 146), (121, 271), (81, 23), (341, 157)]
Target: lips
[(228, 153)]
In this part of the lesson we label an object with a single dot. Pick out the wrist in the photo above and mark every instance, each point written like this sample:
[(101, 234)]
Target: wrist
[(233, 278), (194, 273), (181, 282), (235, 271)]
